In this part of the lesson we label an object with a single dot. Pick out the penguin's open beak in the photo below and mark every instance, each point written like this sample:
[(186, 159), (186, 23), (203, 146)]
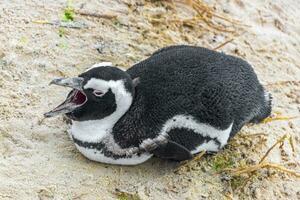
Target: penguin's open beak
[(75, 98)]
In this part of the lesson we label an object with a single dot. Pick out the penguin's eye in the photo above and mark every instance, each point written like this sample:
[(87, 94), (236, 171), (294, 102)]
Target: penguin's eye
[(98, 93)]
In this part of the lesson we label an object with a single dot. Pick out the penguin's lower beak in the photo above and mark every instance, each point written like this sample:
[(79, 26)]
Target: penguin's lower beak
[(75, 98)]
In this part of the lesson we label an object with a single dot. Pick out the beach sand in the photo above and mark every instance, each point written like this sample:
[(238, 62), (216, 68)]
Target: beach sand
[(38, 159)]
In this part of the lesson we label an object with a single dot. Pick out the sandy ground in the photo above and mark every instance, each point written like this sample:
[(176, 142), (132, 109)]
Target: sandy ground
[(38, 160)]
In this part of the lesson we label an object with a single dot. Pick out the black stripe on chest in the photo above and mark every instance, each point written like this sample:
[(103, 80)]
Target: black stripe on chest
[(100, 147)]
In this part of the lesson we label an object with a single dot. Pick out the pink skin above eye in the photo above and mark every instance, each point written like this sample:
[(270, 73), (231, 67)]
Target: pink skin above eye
[(98, 93)]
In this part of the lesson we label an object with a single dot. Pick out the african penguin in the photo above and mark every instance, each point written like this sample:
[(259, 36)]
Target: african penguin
[(176, 103)]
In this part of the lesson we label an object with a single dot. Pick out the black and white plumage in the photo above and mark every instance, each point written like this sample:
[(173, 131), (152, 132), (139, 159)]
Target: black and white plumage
[(176, 103)]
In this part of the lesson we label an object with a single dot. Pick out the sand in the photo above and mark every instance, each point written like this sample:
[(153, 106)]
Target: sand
[(37, 158)]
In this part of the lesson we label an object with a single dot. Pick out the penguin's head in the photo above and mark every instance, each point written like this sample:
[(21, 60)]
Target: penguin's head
[(97, 93)]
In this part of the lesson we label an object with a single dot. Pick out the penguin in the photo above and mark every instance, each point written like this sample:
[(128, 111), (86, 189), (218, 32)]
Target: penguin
[(176, 103)]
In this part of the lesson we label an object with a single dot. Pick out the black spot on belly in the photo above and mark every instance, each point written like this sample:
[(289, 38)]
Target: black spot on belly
[(188, 138)]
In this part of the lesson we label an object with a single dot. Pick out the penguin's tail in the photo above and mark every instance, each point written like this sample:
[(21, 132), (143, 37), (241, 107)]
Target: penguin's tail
[(265, 109)]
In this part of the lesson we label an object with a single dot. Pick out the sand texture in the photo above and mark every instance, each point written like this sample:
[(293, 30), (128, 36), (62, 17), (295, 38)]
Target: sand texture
[(38, 159)]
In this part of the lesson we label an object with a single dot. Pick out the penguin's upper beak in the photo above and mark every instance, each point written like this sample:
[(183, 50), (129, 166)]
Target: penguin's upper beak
[(75, 83), (75, 98)]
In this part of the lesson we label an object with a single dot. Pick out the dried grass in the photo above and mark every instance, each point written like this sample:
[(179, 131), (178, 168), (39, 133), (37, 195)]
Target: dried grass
[(223, 44), (203, 13), (283, 83), (207, 14), (272, 147), (279, 118), (250, 169), (185, 164), (97, 15)]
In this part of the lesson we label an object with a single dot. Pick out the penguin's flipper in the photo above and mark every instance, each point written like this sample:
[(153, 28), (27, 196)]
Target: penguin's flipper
[(173, 151)]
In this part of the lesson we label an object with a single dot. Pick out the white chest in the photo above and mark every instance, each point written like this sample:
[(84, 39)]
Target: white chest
[(90, 131), (94, 132)]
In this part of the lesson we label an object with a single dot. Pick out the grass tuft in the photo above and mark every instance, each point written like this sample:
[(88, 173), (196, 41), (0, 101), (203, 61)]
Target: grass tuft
[(222, 161), (122, 195), (61, 32), (69, 12), (236, 182)]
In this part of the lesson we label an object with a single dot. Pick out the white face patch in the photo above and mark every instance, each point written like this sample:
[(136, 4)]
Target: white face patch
[(96, 155), (99, 84), (102, 64), (117, 87)]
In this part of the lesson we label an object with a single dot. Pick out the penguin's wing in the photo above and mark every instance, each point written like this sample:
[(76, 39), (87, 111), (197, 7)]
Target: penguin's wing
[(173, 151), (215, 105)]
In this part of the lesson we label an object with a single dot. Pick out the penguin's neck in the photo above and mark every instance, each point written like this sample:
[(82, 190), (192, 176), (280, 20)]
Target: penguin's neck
[(95, 131)]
